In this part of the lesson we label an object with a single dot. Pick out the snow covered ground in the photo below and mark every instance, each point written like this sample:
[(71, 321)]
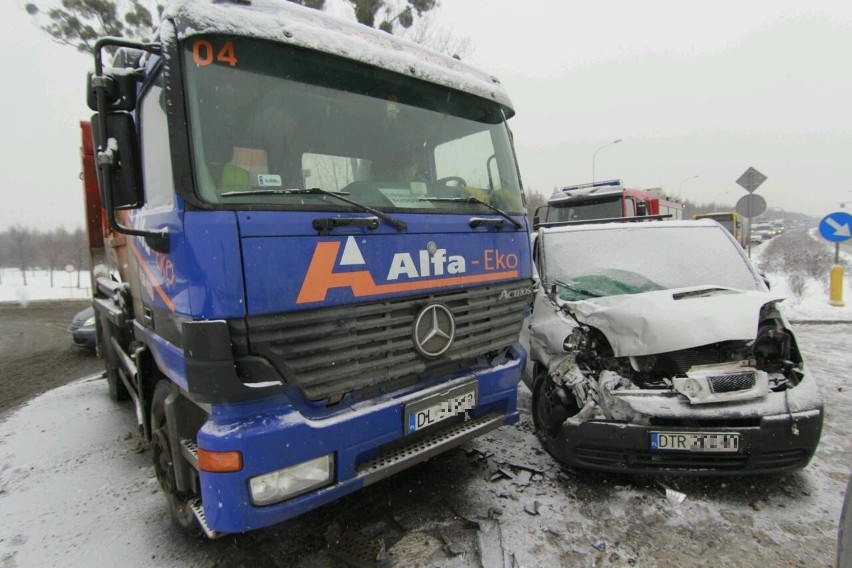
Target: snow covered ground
[(77, 489), (812, 304), (12, 288)]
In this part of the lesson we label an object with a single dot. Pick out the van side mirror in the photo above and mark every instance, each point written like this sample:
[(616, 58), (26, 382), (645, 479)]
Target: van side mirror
[(118, 157)]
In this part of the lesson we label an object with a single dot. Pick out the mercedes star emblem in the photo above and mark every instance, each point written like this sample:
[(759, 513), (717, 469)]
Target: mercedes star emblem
[(434, 330)]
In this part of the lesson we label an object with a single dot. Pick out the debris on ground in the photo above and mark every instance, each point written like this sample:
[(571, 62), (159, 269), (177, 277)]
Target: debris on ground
[(675, 497), (532, 508), (450, 547), (416, 547), (526, 467), (489, 544), (354, 548), (522, 479)]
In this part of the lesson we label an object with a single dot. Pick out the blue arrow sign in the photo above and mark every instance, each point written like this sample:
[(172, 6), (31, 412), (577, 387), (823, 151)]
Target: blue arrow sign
[(836, 227)]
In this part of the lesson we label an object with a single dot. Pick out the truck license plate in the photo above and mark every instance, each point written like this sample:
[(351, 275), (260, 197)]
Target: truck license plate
[(695, 442), (437, 407)]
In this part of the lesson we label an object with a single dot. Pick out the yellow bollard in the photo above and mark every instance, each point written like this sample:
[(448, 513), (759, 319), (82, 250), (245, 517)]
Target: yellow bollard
[(835, 294)]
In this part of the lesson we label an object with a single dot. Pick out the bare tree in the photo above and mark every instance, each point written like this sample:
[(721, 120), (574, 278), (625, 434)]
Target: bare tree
[(426, 31), (4, 253), (21, 240), (534, 201), (53, 245), (78, 251)]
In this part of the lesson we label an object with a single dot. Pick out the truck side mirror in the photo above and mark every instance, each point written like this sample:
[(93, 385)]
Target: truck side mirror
[(641, 209), (119, 89), (118, 157)]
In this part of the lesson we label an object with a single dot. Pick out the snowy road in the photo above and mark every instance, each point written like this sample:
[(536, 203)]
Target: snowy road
[(77, 490)]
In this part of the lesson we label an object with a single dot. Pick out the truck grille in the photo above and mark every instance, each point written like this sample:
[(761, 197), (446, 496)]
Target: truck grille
[(331, 351)]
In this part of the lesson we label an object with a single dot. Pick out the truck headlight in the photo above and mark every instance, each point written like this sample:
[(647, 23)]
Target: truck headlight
[(291, 481)]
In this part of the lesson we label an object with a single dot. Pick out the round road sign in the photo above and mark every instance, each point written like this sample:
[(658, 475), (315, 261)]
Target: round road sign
[(835, 227), (751, 205)]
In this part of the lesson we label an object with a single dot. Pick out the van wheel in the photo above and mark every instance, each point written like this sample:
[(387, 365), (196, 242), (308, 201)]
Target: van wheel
[(551, 407), (179, 506)]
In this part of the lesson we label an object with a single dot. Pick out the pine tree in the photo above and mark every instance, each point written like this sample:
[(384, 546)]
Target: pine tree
[(79, 23)]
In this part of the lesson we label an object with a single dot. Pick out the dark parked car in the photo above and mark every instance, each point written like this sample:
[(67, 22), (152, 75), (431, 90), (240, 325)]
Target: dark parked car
[(658, 348), (82, 330)]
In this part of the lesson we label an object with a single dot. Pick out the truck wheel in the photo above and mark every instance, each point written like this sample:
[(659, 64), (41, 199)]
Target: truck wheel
[(179, 506), (117, 390), (551, 406)]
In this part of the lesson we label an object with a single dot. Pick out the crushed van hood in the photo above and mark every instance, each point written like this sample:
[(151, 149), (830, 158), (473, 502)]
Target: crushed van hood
[(670, 320)]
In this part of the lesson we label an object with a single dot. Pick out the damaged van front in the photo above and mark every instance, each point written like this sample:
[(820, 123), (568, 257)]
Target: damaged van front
[(657, 348)]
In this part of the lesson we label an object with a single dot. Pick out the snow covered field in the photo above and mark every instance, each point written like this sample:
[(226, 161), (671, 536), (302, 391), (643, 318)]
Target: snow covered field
[(812, 303), (12, 288)]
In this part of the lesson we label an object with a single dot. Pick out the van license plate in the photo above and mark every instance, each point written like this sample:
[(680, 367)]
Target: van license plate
[(724, 442), (435, 408)]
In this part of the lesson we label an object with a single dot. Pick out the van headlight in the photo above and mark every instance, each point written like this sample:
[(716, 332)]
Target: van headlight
[(291, 481)]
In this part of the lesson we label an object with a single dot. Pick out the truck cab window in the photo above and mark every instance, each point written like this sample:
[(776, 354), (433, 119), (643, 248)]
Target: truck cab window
[(156, 153)]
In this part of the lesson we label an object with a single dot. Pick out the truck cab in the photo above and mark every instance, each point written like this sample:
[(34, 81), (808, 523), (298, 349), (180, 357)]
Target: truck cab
[(606, 200), (314, 261)]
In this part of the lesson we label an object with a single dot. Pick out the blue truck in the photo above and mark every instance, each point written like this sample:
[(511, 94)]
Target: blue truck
[(310, 252)]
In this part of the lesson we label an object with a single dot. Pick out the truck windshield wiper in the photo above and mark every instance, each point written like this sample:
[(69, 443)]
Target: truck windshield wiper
[(400, 225), (473, 199), (577, 289)]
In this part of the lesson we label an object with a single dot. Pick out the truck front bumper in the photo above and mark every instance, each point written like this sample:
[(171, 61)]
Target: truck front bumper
[(367, 442)]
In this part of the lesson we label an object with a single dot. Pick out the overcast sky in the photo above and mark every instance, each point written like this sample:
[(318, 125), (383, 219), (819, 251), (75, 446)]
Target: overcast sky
[(703, 89)]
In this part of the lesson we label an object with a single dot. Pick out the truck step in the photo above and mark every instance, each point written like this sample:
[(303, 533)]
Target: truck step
[(424, 448), (189, 450), (198, 511)]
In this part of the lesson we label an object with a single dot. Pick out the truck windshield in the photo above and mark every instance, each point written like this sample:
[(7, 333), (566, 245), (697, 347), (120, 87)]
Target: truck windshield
[(265, 116), (598, 208)]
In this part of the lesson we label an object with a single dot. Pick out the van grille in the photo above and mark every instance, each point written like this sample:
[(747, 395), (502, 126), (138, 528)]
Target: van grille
[(732, 383), (332, 351)]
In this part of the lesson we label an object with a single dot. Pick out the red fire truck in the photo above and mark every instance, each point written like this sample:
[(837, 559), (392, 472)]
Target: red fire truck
[(608, 200)]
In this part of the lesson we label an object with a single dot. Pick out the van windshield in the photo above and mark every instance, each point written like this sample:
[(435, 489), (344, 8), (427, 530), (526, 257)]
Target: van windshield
[(615, 259), (266, 117)]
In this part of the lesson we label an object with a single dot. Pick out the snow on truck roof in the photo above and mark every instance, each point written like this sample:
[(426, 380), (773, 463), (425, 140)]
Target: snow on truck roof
[(287, 22), (585, 191), (622, 226)]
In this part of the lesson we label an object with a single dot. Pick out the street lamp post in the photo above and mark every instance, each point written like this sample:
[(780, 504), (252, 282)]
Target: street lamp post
[(596, 153), (680, 187)]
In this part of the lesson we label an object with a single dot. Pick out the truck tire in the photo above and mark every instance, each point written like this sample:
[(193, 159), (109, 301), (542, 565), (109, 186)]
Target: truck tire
[(179, 505), (117, 390)]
